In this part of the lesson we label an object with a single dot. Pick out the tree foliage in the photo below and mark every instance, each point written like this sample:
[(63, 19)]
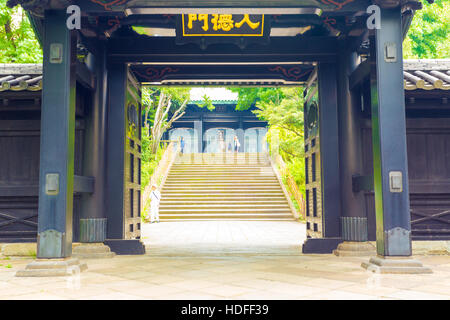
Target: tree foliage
[(161, 107), (207, 103), (429, 34), (18, 43), (249, 96), (282, 108)]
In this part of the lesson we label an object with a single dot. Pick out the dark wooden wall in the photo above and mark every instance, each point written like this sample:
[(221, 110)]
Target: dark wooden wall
[(428, 143), (428, 138), (19, 163)]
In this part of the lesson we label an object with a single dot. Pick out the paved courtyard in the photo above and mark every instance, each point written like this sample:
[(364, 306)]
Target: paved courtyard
[(261, 261), (223, 237)]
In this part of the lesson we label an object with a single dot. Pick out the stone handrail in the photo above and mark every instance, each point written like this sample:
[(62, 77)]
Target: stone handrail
[(160, 174), (292, 187)]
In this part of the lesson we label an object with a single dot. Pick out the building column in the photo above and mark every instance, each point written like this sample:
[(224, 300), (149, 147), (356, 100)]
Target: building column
[(324, 221), (93, 222), (123, 232), (240, 133), (198, 130), (354, 230), (56, 171), (389, 150)]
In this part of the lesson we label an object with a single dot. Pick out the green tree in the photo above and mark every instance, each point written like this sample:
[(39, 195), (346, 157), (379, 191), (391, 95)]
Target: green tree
[(161, 107), (207, 103), (429, 34), (18, 43), (282, 108), (249, 96)]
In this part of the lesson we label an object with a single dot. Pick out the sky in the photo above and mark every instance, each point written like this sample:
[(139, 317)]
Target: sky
[(213, 94)]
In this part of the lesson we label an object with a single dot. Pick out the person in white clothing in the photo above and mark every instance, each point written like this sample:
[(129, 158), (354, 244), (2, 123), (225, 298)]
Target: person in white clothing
[(155, 198)]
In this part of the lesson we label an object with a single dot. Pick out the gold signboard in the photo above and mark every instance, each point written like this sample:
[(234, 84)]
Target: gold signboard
[(222, 25)]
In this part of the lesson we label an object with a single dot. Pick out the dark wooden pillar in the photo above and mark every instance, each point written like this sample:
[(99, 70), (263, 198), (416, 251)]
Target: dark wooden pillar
[(123, 171), (353, 220), (322, 162), (389, 138), (56, 172), (329, 148), (115, 187), (93, 221)]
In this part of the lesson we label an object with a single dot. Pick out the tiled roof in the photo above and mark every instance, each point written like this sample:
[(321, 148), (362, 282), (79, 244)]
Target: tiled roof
[(427, 74), (20, 77)]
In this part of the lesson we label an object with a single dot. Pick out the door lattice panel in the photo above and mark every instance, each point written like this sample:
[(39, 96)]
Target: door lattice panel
[(313, 165), (132, 196)]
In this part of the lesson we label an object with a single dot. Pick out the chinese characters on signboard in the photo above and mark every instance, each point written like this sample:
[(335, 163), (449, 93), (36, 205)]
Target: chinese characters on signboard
[(242, 25)]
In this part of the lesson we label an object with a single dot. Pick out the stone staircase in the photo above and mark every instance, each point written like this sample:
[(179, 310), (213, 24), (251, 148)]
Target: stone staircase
[(223, 186)]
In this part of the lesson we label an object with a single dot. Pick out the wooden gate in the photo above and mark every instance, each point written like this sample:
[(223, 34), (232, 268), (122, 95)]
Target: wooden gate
[(123, 185), (132, 206), (313, 179)]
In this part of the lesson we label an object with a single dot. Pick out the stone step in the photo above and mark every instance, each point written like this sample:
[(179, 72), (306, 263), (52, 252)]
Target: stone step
[(231, 206), (206, 199), (223, 186), (226, 159), (212, 211), (223, 154), (92, 251), (209, 189), (259, 216), (205, 193), (230, 165), (215, 194), (220, 159), (223, 170), (224, 182), (225, 177), (219, 201), (243, 163), (215, 165), (208, 184), (220, 176)]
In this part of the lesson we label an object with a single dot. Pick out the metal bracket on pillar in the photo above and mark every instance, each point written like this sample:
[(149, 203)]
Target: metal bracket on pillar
[(83, 184), (362, 183)]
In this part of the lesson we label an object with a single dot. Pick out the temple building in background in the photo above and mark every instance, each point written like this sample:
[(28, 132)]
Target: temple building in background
[(213, 131)]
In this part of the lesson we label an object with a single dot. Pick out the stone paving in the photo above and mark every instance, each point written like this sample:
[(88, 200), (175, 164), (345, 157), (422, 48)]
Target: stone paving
[(223, 237), (268, 269)]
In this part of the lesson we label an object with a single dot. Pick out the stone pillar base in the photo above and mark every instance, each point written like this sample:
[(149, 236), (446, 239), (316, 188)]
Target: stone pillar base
[(355, 249), (52, 268), (92, 251), (400, 265)]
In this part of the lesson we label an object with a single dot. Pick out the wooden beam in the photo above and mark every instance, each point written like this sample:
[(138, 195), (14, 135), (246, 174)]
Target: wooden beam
[(83, 184), (361, 73), (362, 183), (221, 6), (164, 50), (85, 77)]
